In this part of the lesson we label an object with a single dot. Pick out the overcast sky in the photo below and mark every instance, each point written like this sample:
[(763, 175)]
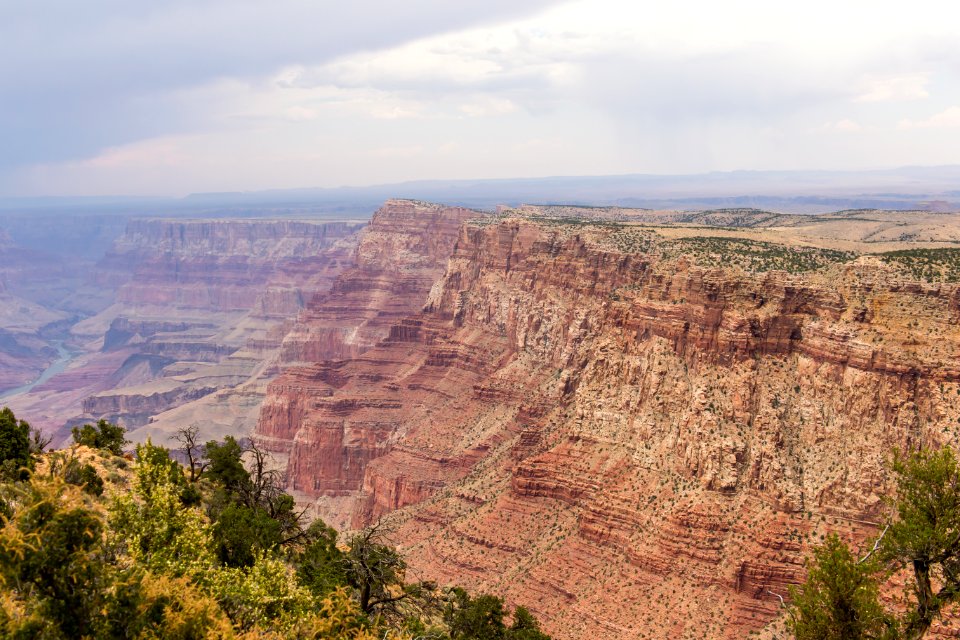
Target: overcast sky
[(167, 98)]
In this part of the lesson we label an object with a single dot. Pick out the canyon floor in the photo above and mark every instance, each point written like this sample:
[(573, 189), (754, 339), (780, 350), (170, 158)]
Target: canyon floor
[(634, 422)]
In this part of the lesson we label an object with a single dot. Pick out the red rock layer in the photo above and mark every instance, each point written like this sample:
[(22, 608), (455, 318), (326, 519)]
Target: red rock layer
[(631, 447), (400, 255)]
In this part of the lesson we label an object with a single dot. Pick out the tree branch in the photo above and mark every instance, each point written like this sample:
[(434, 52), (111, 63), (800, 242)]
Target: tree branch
[(876, 545), (377, 603), (782, 603)]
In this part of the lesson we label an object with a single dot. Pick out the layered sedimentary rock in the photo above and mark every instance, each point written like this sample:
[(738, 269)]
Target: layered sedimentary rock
[(632, 443), (400, 255), (223, 265), (199, 312)]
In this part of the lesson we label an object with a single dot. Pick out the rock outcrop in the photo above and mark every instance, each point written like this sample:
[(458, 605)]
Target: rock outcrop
[(400, 255), (634, 444)]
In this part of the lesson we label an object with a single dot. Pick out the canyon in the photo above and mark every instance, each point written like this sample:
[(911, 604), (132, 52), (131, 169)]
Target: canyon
[(636, 427), (635, 422), (191, 315)]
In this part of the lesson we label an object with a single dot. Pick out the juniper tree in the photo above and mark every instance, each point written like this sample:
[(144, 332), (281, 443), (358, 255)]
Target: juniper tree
[(840, 598)]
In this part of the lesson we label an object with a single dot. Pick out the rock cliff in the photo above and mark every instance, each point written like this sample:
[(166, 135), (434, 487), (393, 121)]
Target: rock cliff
[(635, 435), (200, 309), (269, 266), (400, 255)]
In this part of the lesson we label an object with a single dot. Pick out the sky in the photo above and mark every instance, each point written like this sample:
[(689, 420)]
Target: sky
[(137, 97)]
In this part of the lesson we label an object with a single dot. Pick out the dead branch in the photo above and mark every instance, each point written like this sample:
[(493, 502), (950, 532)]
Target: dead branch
[(876, 545), (782, 603)]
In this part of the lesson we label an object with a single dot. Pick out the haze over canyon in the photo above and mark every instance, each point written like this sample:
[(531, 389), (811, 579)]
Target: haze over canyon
[(635, 422)]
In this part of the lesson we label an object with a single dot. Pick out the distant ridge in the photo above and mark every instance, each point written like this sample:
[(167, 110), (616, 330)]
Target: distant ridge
[(785, 191)]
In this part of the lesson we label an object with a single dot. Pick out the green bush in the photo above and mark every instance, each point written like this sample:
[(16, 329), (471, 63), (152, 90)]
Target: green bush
[(103, 435), (15, 452)]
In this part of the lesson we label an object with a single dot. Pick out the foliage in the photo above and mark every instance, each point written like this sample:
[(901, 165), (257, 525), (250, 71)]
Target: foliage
[(482, 618), (265, 594), (754, 255), (525, 626), (159, 532), (375, 571), (249, 508), (49, 549), (223, 555), (15, 450), (153, 607), (67, 466), (103, 435), (240, 532), (840, 596), (320, 565), (335, 617), (479, 618), (84, 476), (225, 465), (934, 265), (925, 536), (56, 583)]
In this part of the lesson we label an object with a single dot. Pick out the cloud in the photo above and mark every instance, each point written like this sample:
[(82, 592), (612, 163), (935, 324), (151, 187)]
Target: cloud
[(297, 113), (947, 119), (845, 125), (895, 88), (488, 106), (239, 94), (397, 152), (83, 76)]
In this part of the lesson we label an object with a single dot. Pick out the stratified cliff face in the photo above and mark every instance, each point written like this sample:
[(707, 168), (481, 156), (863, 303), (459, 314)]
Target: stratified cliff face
[(200, 310), (630, 443), (400, 255), (223, 265)]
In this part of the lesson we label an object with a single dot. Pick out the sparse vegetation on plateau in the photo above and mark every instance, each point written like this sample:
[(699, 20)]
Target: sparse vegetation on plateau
[(932, 265), (753, 255)]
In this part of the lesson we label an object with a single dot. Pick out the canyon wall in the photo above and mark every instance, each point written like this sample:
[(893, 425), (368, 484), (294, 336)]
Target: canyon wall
[(270, 266), (633, 443), (400, 255), (29, 325), (199, 312)]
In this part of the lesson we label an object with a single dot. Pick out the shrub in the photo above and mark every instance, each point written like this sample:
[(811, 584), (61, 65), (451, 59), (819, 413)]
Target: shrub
[(103, 435)]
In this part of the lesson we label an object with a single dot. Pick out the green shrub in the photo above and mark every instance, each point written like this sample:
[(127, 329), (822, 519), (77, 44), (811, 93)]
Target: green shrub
[(103, 435)]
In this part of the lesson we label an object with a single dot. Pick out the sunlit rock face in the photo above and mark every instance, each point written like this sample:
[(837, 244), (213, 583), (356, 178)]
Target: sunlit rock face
[(400, 255), (632, 444)]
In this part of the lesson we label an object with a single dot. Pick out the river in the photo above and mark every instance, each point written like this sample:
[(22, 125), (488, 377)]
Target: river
[(64, 357)]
